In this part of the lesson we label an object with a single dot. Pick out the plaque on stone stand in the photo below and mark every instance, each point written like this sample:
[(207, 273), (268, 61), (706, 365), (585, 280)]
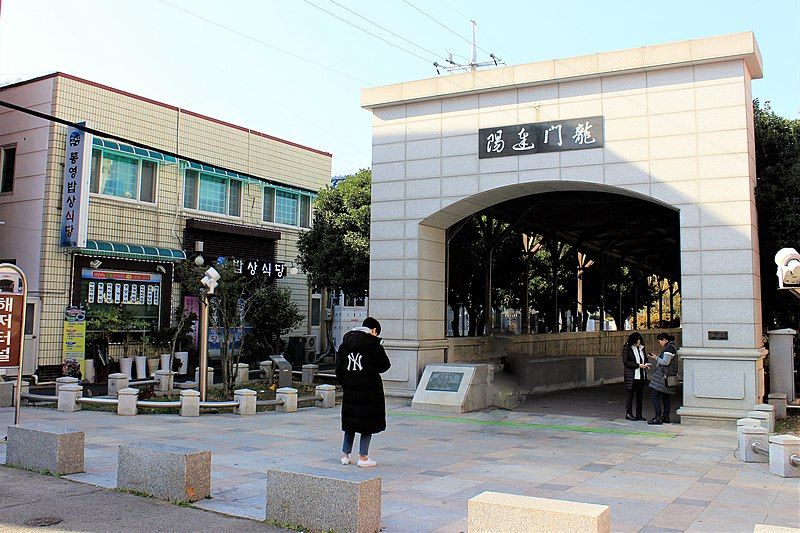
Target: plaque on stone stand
[(452, 388)]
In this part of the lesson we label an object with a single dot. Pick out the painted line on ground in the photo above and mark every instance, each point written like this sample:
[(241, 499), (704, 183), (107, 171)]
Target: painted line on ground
[(532, 425)]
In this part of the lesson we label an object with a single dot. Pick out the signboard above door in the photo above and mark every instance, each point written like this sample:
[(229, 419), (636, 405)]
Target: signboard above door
[(541, 137)]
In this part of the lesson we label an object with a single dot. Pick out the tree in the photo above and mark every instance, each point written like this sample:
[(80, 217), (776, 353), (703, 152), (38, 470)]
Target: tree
[(229, 308), (778, 203), (271, 315), (335, 251)]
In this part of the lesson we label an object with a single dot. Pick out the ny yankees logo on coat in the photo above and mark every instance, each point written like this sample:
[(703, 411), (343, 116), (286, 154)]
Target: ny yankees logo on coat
[(353, 361)]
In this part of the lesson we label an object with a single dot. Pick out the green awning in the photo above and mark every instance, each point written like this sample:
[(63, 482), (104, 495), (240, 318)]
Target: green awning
[(132, 251), (210, 169), (133, 150)]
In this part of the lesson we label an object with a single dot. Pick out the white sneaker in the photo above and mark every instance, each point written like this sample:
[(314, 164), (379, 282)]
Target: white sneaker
[(346, 459), (368, 462)]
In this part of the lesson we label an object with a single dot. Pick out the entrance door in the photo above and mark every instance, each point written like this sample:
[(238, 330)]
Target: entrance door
[(30, 360)]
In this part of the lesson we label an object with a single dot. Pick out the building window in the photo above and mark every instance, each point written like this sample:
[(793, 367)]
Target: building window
[(7, 156), (123, 176), (289, 208), (215, 194)]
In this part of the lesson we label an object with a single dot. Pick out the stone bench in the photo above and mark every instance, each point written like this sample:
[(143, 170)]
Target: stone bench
[(496, 511), (37, 446), (165, 471), (325, 500)]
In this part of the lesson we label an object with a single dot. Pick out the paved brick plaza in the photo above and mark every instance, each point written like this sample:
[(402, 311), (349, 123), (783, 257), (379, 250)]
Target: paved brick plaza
[(670, 478)]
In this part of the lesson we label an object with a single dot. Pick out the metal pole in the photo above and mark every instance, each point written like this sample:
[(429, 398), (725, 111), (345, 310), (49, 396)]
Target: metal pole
[(18, 400), (203, 346)]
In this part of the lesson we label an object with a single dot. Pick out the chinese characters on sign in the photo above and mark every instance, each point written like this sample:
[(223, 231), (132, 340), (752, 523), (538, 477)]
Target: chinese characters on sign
[(554, 136), (75, 196), (257, 267)]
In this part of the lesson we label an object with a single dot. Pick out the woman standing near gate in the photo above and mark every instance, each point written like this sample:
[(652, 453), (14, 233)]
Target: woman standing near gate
[(664, 377), (635, 361)]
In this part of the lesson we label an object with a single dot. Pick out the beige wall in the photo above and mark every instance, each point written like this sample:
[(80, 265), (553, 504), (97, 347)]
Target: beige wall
[(161, 224)]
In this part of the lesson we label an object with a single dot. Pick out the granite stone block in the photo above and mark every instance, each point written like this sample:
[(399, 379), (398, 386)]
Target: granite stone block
[(781, 449), (39, 446), (116, 382), (328, 393), (325, 500), (779, 401), (289, 397), (496, 511), (68, 398), (190, 403), (127, 401), (746, 436), (247, 401), (165, 471), (6, 393)]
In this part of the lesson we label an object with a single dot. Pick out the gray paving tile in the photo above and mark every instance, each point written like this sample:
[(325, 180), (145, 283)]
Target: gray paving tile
[(436, 473), (553, 486), (595, 467), (690, 501)]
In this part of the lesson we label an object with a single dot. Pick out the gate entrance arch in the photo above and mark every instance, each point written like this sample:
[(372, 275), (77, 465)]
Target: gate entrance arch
[(674, 128)]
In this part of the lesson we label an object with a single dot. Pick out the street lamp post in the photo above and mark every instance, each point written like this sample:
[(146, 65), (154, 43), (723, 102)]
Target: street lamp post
[(210, 282)]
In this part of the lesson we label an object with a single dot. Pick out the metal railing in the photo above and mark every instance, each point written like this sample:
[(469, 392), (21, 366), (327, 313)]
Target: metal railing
[(220, 405), (794, 460), (97, 401), (154, 404), (143, 382), (759, 448), (263, 403), (38, 397)]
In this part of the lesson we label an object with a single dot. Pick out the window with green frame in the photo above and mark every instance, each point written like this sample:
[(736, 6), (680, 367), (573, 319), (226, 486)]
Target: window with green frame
[(286, 207), (212, 193), (123, 176)]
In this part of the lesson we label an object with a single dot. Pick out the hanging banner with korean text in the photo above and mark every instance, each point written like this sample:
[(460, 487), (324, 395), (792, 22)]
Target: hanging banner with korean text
[(541, 137), (75, 195), (12, 308)]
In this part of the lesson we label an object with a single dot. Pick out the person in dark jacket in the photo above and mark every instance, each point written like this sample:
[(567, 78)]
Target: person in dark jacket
[(635, 372), (359, 363), (666, 364)]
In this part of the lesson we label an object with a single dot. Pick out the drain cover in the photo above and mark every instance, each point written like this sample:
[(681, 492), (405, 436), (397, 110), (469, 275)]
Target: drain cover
[(43, 521)]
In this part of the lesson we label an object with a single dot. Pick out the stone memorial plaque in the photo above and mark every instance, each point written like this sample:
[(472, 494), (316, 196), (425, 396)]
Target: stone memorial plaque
[(452, 387), (717, 335), (445, 381)]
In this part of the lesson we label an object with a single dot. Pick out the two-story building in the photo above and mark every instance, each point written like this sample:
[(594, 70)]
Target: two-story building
[(161, 180)]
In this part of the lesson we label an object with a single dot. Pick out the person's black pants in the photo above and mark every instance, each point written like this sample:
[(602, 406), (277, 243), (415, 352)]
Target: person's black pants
[(637, 389), (659, 399)]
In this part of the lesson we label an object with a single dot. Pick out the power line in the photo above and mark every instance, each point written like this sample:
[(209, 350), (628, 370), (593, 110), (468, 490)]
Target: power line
[(366, 31), (443, 25), (387, 30), (259, 41)]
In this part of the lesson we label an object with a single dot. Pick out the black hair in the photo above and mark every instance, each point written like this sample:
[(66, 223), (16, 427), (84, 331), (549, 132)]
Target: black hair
[(665, 336), (633, 337), (371, 323)]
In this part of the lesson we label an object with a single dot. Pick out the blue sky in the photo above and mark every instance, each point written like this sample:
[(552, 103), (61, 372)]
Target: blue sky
[(240, 60)]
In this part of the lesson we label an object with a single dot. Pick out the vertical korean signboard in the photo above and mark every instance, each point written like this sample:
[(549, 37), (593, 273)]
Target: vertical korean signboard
[(13, 295), (75, 195)]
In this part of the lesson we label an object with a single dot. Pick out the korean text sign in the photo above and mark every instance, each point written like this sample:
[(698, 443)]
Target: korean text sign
[(75, 195), (12, 305), (541, 137)]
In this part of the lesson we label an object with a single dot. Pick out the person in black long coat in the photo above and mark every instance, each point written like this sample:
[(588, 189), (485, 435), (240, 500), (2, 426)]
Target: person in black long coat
[(359, 364), (635, 372)]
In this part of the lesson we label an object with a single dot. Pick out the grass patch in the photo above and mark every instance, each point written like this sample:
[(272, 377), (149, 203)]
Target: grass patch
[(42, 471), (789, 425), (179, 503)]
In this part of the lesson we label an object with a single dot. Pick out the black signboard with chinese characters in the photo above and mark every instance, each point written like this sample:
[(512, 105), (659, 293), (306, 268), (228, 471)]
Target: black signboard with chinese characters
[(541, 137), (445, 381)]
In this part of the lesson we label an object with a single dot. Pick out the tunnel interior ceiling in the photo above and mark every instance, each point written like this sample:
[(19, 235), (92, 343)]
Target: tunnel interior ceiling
[(601, 224)]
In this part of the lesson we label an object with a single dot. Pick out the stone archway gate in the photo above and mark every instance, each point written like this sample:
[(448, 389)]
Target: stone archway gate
[(677, 129)]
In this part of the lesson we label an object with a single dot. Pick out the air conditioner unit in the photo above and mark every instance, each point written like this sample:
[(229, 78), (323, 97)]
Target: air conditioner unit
[(302, 349)]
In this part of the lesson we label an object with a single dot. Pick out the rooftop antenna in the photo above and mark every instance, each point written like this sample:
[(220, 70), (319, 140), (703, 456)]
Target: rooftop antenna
[(472, 65)]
